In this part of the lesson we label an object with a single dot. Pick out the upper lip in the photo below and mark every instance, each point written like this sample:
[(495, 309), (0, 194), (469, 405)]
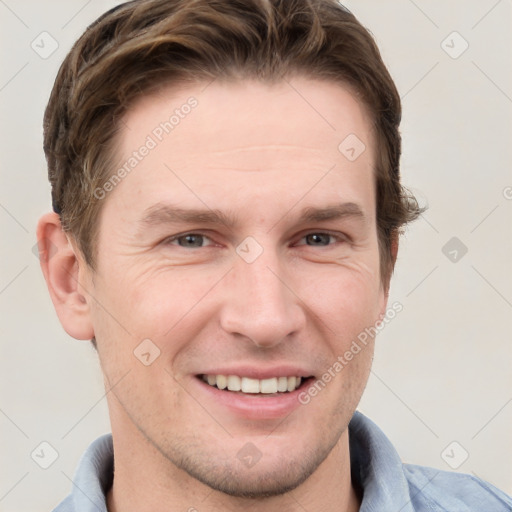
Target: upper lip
[(260, 373)]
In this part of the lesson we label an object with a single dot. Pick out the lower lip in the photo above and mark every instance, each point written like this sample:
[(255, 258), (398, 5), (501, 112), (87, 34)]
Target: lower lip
[(254, 406)]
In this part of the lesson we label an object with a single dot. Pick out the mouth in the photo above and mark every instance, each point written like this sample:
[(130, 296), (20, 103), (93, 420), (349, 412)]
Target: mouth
[(247, 386), (253, 393)]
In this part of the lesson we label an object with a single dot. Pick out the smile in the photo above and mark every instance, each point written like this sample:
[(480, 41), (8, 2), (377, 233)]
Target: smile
[(256, 386)]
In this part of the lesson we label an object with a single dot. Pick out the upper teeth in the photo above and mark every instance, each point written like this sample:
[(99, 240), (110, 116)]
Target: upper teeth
[(248, 385)]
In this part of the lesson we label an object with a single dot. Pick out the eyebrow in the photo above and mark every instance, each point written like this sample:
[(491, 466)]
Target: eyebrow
[(169, 214), (335, 212), (162, 213)]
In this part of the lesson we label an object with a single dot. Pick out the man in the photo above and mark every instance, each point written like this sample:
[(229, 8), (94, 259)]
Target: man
[(225, 180)]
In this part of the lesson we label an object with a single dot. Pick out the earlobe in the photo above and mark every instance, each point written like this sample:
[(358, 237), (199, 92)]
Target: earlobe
[(60, 266)]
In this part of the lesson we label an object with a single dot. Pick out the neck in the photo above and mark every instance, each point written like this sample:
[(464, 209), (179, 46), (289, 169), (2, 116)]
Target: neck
[(145, 480)]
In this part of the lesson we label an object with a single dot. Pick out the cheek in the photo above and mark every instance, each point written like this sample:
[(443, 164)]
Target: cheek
[(168, 306), (346, 298), (142, 298), (160, 301)]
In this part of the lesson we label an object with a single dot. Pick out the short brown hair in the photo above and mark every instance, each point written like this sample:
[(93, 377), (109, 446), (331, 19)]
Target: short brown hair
[(144, 43)]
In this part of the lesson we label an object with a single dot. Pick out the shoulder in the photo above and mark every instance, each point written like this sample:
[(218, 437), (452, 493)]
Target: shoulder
[(389, 484), (437, 490), (65, 506)]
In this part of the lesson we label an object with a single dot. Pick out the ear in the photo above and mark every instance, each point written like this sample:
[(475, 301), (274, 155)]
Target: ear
[(394, 248), (393, 254), (61, 268)]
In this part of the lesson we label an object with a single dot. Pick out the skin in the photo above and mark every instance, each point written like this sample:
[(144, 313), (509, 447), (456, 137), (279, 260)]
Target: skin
[(260, 154)]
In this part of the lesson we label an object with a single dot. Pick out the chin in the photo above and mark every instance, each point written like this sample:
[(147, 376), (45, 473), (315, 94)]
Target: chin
[(255, 483), (274, 474)]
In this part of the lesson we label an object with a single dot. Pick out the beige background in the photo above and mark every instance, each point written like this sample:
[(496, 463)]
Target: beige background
[(442, 370)]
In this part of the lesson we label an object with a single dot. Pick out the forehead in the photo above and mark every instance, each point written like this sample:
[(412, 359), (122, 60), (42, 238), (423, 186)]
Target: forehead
[(242, 115), (245, 134)]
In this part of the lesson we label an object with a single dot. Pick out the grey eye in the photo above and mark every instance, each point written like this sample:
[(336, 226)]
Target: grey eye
[(190, 240), (318, 239)]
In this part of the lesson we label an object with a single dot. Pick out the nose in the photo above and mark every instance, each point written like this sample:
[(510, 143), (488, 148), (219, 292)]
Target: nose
[(260, 303)]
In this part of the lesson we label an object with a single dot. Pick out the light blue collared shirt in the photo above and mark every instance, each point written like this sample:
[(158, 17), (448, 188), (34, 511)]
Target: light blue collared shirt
[(387, 484)]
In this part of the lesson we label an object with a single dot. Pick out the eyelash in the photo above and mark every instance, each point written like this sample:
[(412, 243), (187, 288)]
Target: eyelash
[(168, 241), (337, 238)]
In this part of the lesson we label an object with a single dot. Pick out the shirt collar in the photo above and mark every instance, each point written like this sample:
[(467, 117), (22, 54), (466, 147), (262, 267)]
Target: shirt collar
[(376, 470), (94, 476)]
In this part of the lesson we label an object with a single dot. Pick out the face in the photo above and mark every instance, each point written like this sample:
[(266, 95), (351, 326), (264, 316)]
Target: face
[(242, 247)]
